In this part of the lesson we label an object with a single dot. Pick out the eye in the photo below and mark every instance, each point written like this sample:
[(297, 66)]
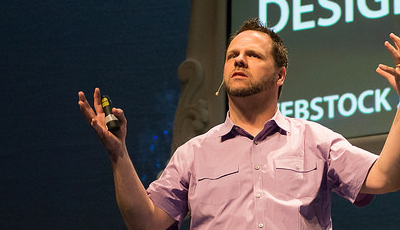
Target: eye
[(255, 55), (230, 56)]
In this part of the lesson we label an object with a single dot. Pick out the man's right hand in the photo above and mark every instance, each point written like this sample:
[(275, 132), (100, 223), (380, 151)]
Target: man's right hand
[(114, 143)]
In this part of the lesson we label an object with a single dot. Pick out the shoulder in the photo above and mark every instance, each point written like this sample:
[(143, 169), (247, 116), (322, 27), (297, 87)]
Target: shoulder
[(310, 127), (211, 137)]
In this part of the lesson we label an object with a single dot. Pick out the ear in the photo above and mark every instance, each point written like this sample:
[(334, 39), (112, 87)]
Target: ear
[(281, 75)]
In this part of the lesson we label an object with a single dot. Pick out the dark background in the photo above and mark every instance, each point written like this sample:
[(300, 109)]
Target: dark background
[(54, 173)]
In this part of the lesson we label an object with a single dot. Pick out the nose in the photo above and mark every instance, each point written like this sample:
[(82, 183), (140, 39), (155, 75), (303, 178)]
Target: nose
[(240, 61)]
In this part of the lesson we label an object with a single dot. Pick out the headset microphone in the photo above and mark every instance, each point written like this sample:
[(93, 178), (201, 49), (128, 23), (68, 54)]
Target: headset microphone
[(219, 88)]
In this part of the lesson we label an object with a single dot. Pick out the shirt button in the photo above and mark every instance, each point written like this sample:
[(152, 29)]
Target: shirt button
[(260, 225), (256, 167), (256, 142), (258, 195)]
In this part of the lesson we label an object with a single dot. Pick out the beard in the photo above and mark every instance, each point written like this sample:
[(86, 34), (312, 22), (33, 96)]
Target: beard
[(251, 88)]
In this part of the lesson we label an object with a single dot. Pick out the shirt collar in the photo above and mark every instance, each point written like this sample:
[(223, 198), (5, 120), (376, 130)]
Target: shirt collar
[(281, 121), (278, 123)]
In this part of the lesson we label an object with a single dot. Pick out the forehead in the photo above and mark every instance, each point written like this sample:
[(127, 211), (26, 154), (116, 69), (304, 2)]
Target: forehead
[(251, 39)]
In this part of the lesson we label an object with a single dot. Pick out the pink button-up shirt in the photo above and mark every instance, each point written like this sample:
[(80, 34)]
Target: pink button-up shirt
[(281, 179)]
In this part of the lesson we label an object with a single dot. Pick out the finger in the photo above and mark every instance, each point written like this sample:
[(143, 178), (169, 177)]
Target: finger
[(98, 128), (386, 71), (393, 72), (109, 140), (393, 51), (119, 113), (85, 107), (102, 133), (97, 101), (396, 40)]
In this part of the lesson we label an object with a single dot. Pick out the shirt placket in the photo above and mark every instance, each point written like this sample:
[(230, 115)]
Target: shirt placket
[(257, 183)]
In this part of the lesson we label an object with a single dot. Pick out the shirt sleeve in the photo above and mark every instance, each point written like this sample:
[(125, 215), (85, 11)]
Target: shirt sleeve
[(348, 166), (170, 191)]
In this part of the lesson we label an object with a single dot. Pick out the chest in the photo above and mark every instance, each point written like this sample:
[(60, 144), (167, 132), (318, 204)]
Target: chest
[(279, 167)]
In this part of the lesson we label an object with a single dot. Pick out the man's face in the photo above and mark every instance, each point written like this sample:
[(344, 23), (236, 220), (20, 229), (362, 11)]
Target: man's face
[(249, 65)]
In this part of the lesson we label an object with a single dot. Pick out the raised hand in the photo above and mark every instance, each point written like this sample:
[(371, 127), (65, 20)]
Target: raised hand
[(392, 73), (114, 143)]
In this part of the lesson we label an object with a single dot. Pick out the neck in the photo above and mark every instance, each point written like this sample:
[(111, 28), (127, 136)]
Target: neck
[(252, 112)]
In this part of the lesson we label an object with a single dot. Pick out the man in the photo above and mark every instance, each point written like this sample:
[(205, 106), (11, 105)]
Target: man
[(259, 169)]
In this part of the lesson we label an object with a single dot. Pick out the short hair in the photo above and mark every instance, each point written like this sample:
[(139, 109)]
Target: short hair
[(279, 50)]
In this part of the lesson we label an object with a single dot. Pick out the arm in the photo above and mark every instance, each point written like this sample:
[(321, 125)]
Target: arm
[(384, 175), (137, 209)]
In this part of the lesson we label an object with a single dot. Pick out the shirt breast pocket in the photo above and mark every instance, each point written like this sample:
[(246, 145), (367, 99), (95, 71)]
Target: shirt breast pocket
[(217, 186), (296, 178)]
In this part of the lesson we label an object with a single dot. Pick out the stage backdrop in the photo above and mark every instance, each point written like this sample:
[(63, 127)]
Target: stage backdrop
[(334, 48), (54, 173)]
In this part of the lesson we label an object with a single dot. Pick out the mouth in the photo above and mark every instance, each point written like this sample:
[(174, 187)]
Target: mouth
[(238, 74)]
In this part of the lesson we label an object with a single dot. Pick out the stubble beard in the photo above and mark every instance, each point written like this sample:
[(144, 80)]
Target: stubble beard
[(251, 88)]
